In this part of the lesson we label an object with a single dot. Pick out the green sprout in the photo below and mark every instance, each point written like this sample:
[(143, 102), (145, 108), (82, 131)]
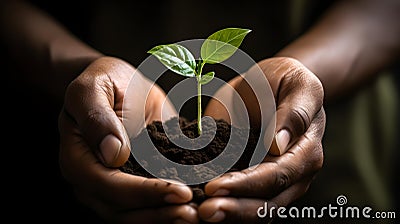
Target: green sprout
[(218, 47)]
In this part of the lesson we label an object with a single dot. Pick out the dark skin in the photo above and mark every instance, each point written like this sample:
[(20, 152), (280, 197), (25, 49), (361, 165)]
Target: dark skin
[(331, 53), (93, 101), (278, 179), (323, 64)]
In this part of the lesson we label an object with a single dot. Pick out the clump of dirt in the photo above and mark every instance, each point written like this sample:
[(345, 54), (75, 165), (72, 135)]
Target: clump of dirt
[(183, 156)]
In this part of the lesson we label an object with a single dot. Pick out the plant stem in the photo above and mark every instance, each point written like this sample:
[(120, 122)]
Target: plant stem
[(199, 109)]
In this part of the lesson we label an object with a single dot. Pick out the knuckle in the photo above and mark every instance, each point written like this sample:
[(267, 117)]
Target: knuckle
[(301, 120), (94, 120), (92, 117), (254, 186), (282, 180), (76, 85)]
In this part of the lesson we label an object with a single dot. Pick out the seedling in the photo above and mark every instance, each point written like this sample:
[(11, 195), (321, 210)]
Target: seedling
[(218, 47)]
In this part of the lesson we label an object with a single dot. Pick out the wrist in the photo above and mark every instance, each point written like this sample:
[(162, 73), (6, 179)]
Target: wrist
[(69, 61)]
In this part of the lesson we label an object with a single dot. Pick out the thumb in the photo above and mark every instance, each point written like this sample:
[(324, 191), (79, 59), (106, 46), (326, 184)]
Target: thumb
[(300, 98), (280, 142), (90, 103), (112, 151), (101, 128)]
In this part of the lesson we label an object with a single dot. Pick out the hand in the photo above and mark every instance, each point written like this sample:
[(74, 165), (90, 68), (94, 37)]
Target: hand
[(94, 142), (280, 180)]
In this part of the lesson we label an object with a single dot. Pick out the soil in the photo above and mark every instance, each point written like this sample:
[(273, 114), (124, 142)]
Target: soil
[(193, 157)]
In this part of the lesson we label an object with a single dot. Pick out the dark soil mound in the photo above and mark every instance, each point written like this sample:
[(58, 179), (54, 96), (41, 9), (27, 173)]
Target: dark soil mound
[(192, 157)]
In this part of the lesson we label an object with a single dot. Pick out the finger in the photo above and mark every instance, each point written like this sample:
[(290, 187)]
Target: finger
[(179, 214), (299, 96), (292, 193), (250, 210), (276, 173), (233, 210), (81, 168), (91, 100), (167, 214)]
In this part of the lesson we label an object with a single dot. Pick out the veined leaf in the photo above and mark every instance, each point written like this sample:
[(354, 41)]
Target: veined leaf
[(222, 44), (206, 78), (176, 58)]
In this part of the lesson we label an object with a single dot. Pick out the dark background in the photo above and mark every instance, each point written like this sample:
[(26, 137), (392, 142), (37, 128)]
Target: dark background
[(125, 29)]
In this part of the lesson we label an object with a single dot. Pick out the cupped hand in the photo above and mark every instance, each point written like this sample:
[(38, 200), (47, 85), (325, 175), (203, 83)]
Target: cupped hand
[(295, 155), (94, 142)]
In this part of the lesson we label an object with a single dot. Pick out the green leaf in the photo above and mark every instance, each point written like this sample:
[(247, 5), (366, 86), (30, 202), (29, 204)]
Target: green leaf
[(176, 58), (222, 44), (206, 78)]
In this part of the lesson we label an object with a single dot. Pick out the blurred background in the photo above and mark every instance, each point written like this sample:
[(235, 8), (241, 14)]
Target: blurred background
[(361, 141)]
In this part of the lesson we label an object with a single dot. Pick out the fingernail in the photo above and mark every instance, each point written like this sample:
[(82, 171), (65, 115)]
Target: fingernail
[(218, 216), (110, 147), (282, 140), (181, 221), (173, 198), (221, 192)]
